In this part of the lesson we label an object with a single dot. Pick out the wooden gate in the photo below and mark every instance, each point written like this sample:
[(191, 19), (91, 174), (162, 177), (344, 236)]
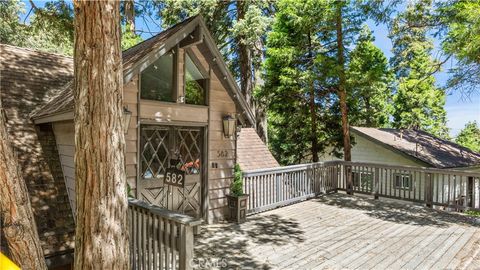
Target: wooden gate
[(165, 146)]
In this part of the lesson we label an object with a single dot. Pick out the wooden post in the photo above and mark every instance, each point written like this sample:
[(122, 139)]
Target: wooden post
[(186, 247), (429, 190), (470, 187), (376, 183)]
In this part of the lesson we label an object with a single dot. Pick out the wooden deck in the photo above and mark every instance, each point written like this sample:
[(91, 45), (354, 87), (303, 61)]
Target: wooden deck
[(342, 232)]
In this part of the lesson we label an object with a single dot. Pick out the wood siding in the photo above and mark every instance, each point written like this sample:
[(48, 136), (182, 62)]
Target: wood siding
[(65, 134), (221, 151), (367, 151)]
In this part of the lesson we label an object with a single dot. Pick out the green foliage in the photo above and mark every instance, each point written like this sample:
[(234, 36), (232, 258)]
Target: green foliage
[(301, 64), (472, 213), (460, 23), (236, 188), (129, 38), (50, 28), (418, 103), (469, 136), (370, 83)]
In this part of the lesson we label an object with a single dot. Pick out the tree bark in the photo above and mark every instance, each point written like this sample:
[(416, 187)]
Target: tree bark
[(19, 225), (247, 79), (313, 111), (129, 10), (101, 239), (343, 93)]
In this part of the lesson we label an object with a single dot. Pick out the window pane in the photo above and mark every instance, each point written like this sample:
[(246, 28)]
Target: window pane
[(157, 80), (406, 182), (154, 141), (398, 181), (195, 83)]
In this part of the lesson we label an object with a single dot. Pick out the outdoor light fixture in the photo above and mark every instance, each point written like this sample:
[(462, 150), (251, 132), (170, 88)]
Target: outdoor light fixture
[(228, 126), (127, 115)]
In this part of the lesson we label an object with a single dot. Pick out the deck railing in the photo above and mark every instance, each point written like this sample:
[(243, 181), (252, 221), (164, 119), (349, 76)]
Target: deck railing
[(159, 238), (451, 189), (274, 187), (271, 188)]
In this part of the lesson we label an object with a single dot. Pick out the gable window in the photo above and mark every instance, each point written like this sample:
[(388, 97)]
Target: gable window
[(402, 181), (195, 83), (157, 80)]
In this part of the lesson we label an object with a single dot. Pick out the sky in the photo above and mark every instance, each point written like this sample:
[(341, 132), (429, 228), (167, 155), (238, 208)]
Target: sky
[(460, 108)]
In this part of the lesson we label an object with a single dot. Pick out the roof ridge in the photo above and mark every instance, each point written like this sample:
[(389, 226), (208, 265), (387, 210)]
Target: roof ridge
[(36, 50), (162, 31)]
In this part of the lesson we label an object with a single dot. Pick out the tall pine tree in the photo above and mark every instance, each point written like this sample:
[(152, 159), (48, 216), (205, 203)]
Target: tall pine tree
[(370, 83), (418, 103)]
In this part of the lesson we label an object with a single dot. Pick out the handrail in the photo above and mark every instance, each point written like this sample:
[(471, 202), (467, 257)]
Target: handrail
[(278, 186), (299, 167), (411, 168), (289, 168), (160, 238), (165, 213)]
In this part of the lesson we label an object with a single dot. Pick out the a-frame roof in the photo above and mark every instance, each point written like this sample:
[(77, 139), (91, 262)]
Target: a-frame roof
[(145, 53)]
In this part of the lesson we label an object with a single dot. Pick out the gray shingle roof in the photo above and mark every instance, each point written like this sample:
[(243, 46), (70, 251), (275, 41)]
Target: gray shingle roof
[(423, 146), (28, 79)]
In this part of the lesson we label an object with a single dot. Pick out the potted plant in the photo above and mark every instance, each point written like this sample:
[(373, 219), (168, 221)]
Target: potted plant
[(237, 200)]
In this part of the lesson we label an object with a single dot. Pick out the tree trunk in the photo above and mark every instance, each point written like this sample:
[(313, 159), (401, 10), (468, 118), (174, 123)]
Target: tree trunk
[(369, 114), (247, 80), (101, 239), (313, 111), (130, 15), (343, 94), (19, 225)]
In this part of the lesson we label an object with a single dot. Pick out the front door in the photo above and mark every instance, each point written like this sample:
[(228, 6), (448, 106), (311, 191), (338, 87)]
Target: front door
[(165, 146)]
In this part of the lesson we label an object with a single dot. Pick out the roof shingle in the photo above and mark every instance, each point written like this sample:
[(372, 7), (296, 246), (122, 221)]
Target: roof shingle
[(252, 153), (29, 79)]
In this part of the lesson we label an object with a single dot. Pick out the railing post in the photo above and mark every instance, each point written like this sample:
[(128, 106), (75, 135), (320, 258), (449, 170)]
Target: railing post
[(338, 177), (429, 190), (348, 179), (376, 183), (186, 247)]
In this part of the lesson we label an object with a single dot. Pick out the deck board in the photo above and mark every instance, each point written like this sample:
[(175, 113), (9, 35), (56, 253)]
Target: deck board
[(338, 231)]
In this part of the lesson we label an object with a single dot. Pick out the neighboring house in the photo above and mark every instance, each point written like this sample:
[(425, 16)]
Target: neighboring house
[(252, 152), (178, 91), (410, 148), (415, 148)]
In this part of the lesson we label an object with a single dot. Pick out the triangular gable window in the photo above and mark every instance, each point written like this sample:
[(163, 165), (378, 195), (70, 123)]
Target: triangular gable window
[(195, 83), (157, 80)]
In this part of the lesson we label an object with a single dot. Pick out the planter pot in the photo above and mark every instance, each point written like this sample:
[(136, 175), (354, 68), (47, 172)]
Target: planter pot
[(237, 206)]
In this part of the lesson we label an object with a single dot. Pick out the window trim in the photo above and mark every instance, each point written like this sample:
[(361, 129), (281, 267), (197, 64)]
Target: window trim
[(403, 176), (174, 93), (189, 52)]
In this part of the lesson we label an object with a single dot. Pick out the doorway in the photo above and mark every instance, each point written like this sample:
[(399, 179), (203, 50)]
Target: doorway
[(162, 147)]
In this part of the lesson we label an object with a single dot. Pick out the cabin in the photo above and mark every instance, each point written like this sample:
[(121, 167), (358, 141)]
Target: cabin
[(409, 154), (182, 108), (406, 147)]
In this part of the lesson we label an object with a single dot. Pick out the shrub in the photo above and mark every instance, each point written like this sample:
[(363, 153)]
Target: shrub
[(236, 188)]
